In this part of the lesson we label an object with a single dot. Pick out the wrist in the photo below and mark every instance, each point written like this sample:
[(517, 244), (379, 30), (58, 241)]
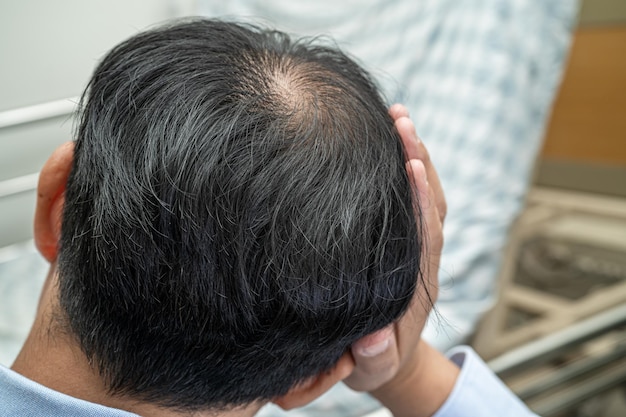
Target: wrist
[(421, 386)]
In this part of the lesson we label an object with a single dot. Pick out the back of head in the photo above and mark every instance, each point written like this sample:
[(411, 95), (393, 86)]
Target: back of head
[(238, 213)]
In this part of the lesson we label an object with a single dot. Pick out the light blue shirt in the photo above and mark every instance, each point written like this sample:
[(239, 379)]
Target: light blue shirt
[(477, 393), (21, 397)]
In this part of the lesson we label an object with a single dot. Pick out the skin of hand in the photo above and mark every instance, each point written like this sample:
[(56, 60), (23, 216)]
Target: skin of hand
[(394, 364)]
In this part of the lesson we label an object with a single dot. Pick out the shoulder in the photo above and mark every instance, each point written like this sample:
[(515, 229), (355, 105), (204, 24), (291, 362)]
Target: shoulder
[(19, 396)]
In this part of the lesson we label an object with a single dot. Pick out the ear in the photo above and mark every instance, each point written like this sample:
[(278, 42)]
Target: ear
[(50, 200), (307, 391)]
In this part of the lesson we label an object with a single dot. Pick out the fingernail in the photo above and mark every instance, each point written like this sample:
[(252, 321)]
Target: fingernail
[(376, 349)]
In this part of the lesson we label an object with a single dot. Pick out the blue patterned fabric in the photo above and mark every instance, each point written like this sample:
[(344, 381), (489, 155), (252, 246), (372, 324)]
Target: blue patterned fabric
[(22, 273)]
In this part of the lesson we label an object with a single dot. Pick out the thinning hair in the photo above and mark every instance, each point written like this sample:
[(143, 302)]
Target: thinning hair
[(238, 213)]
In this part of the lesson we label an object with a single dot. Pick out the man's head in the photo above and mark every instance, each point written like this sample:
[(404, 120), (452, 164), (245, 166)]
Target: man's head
[(237, 214)]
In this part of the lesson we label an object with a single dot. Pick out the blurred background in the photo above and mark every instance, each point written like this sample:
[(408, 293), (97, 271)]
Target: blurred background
[(563, 283), (554, 326)]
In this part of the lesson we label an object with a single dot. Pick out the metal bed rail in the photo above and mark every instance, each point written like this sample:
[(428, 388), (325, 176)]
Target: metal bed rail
[(577, 375), (553, 345), (38, 112), (28, 115)]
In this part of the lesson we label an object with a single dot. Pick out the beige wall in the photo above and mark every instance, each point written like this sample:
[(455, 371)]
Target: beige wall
[(48, 50)]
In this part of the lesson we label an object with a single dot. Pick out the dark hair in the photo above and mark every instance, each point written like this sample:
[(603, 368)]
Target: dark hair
[(238, 213)]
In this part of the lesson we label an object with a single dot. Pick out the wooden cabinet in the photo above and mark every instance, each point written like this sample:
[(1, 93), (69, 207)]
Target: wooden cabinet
[(585, 143)]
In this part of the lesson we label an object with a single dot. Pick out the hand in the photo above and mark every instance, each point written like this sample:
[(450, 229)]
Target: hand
[(394, 358)]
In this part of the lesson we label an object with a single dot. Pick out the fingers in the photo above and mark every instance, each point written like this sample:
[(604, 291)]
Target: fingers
[(398, 110), (433, 226), (428, 199), (376, 360), (415, 149), (384, 356)]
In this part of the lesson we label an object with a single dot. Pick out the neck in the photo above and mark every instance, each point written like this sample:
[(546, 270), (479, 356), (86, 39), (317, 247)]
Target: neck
[(53, 358)]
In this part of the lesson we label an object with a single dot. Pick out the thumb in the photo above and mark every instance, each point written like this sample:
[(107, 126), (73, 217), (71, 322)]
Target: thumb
[(376, 360)]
